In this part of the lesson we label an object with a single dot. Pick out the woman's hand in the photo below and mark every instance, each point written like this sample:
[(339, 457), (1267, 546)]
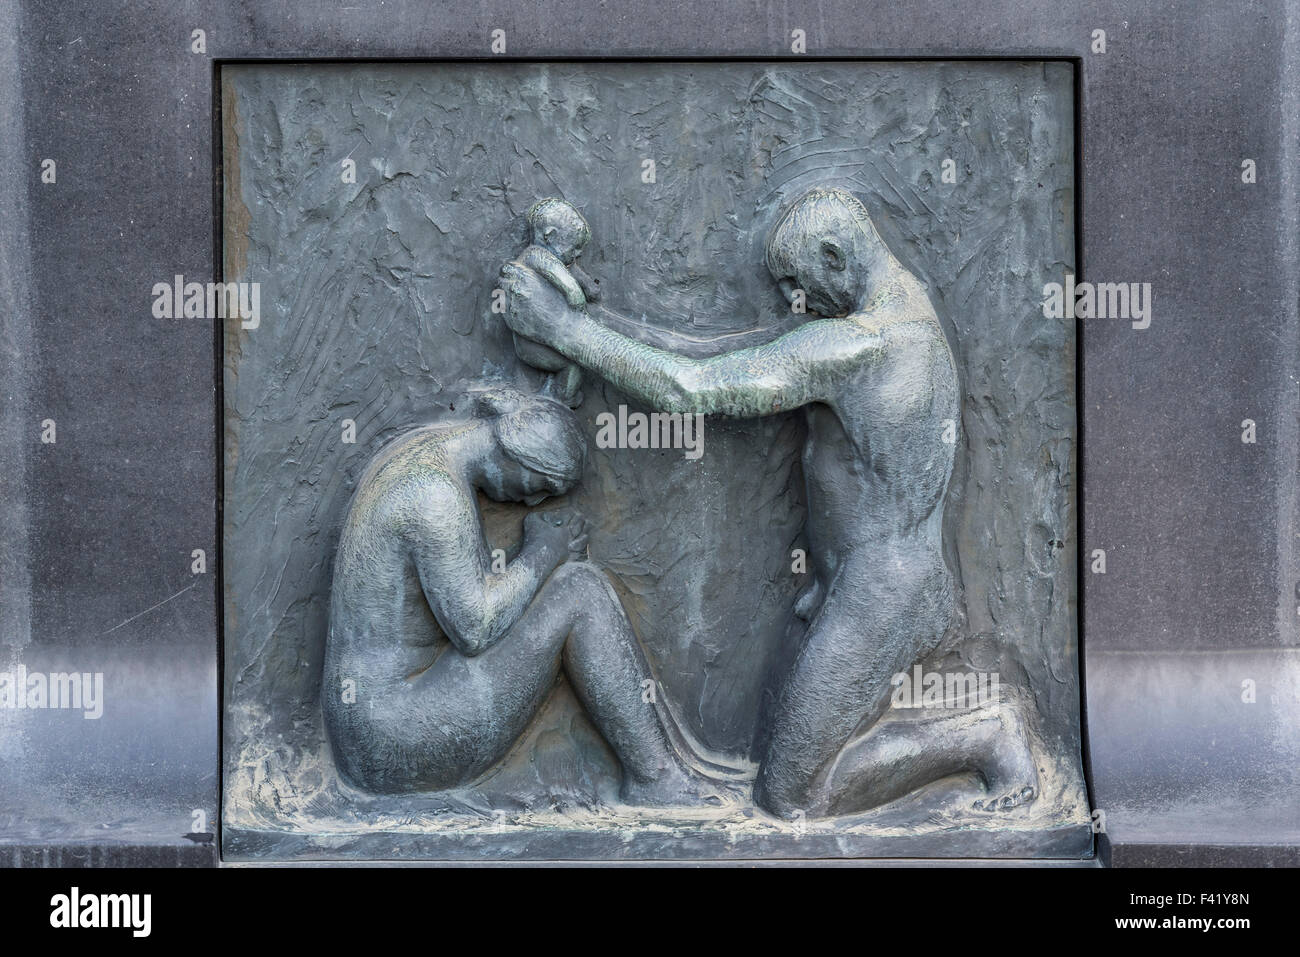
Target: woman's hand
[(561, 531)]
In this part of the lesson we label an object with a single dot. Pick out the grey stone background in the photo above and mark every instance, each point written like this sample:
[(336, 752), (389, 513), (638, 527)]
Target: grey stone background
[(1200, 530), (376, 308)]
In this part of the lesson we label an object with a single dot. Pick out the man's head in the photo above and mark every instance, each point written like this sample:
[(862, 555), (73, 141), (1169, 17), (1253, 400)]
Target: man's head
[(826, 245), (539, 449), (559, 227)]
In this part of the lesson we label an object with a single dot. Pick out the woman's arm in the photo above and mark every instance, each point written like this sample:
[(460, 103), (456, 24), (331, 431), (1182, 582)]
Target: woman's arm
[(473, 605)]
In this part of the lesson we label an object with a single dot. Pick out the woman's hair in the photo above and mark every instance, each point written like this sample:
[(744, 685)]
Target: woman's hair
[(538, 432)]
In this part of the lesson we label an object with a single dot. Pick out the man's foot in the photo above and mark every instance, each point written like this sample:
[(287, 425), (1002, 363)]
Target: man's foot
[(1007, 763), (1007, 801)]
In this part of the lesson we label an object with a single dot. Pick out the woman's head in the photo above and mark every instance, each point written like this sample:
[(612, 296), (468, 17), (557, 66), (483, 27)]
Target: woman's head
[(541, 450)]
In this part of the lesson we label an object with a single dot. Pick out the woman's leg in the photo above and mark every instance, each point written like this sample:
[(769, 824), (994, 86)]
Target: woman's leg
[(611, 677), (457, 719)]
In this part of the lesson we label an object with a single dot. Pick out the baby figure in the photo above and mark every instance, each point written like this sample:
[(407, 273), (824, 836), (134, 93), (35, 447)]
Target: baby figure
[(557, 234)]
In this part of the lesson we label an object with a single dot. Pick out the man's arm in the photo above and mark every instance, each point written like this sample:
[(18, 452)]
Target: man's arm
[(798, 368), (473, 606), (789, 372)]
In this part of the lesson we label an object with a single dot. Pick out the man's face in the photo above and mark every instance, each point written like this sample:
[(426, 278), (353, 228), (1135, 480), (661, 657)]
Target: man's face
[(816, 248), (820, 265)]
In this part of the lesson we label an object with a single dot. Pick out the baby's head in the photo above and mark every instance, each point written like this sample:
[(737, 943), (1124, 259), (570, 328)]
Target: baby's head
[(559, 227)]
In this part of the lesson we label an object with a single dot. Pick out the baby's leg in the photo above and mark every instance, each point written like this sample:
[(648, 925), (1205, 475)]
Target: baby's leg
[(565, 382), (539, 356)]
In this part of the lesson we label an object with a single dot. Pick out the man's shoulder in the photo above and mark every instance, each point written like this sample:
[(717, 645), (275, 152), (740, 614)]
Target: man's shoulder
[(899, 324)]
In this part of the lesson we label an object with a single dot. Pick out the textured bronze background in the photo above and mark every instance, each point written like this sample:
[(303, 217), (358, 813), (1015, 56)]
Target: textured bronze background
[(375, 307)]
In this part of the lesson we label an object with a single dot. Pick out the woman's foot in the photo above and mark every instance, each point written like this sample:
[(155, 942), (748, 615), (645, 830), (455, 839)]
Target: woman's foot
[(674, 787)]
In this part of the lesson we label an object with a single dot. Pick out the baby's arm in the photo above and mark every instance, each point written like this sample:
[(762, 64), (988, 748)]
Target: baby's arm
[(548, 265), (590, 285)]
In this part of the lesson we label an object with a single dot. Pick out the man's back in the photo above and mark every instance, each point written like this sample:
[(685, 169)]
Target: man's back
[(877, 453)]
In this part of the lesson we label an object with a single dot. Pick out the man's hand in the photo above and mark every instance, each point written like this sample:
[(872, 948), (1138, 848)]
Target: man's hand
[(535, 309), (561, 531)]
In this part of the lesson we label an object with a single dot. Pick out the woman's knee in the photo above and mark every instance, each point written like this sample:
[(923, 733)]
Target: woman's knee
[(583, 584)]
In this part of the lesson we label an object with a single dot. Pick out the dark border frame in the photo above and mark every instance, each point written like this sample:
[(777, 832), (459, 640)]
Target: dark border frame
[(1202, 532)]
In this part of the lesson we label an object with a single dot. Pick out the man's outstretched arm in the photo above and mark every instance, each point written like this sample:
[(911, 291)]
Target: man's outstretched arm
[(791, 371)]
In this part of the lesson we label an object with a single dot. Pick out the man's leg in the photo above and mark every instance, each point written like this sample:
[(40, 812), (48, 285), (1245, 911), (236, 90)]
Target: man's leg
[(895, 757), (880, 616)]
